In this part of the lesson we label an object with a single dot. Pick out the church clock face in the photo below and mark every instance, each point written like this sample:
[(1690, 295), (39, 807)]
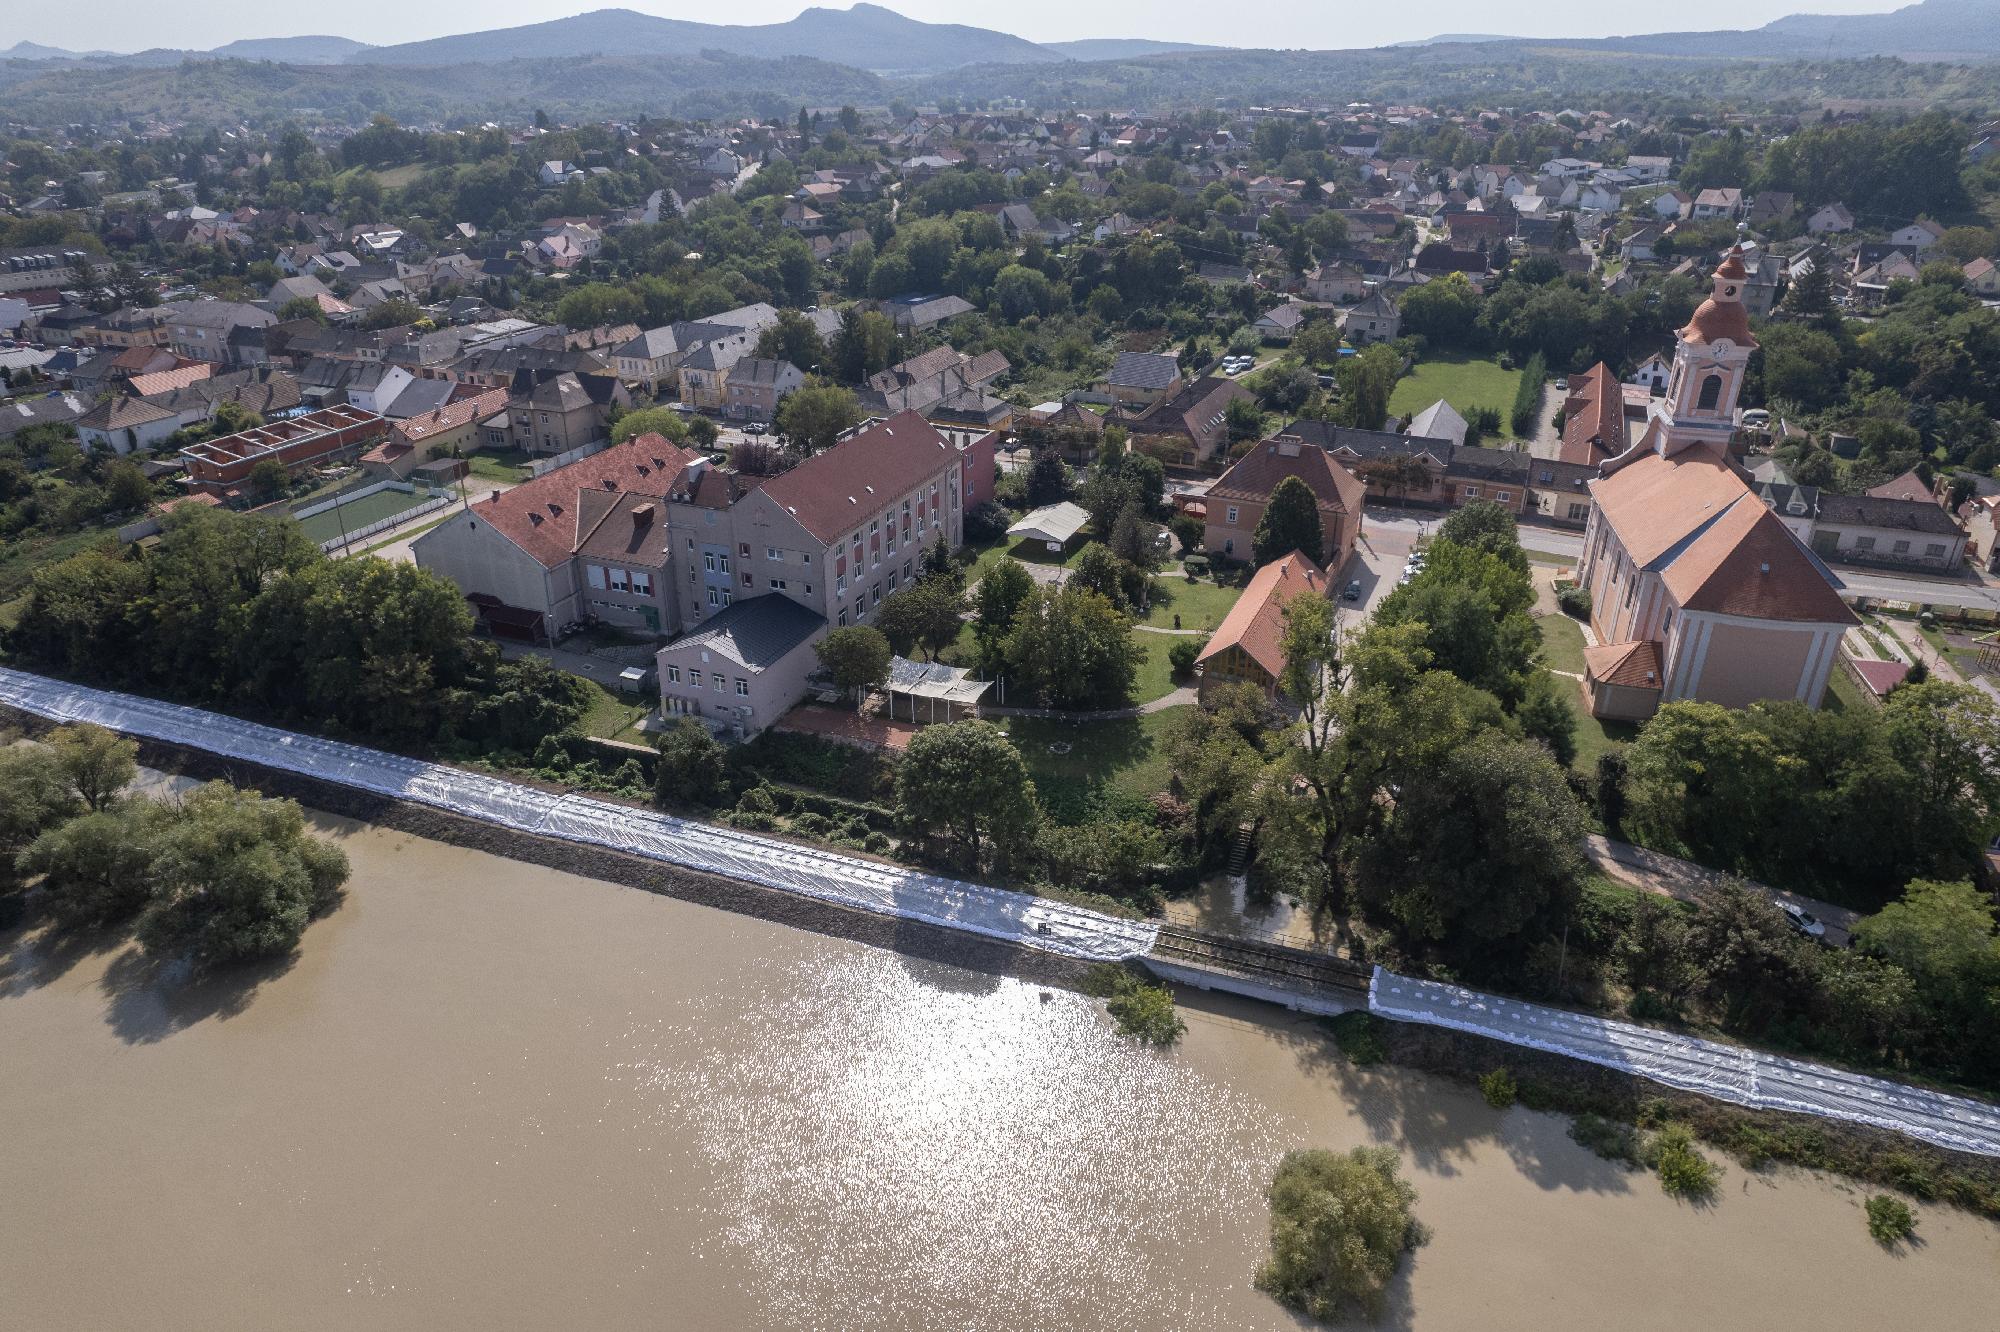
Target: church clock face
[(1720, 349)]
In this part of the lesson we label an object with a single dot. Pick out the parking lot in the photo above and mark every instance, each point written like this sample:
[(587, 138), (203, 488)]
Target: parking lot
[(1386, 542)]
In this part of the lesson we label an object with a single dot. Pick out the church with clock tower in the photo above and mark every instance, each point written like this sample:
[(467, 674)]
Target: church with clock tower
[(1698, 590)]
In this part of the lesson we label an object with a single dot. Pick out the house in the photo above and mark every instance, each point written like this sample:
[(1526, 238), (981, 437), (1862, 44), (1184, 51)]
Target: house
[(1649, 169), (744, 667), (704, 374), (1830, 220), (125, 424), (1919, 236), (1440, 420), (1771, 206), (452, 428), (1280, 323), (33, 269), (1651, 374), (1698, 590), (1672, 205), (1982, 277), (948, 387), (915, 312), (1248, 646), (1638, 247), (50, 409), (520, 555), (554, 173), (1713, 203), (1237, 500), (1335, 284), (1593, 417), (555, 413), (1372, 320), (1222, 275), (1982, 528), (1900, 532), (199, 330), (755, 385), (1193, 423), (1140, 379)]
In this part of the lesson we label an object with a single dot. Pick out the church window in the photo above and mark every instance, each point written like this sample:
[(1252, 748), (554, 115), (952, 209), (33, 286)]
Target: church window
[(1711, 393)]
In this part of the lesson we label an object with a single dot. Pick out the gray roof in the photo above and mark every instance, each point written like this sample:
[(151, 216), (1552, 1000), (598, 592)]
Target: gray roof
[(1143, 370), (1901, 514), (756, 634)]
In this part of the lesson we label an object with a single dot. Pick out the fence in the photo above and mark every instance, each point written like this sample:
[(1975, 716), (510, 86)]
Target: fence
[(432, 505), (543, 466), (439, 498)]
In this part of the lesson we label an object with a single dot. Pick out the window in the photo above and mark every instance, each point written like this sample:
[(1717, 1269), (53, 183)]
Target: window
[(727, 596), (720, 683), (842, 619), (694, 676), (875, 595), (742, 687), (840, 585), (778, 584), (1578, 512), (708, 560), (642, 584), (749, 580), (809, 589), (773, 553), (1935, 550), (892, 580), (743, 549), (673, 675), (1711, 394), (595, 575), (723, 561), (713, 598), (1864, 543), (1901, 548), (1502, 496), (1545, 476), (1232, 515), (1468, 492), (620, 581)]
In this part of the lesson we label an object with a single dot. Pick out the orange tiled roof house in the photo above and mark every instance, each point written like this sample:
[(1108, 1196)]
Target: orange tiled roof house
[(1698, 590)]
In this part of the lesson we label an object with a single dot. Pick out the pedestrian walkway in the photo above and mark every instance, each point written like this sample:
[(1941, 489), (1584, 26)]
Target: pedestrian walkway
[(1685, 881), (1179, 698)]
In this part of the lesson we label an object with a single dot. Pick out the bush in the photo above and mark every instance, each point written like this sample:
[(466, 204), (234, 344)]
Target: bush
[(1339, 1227), (1498, 1088), (1574, 600), (1606, 1137), (1890, 1220), (1684, 1172), (1359, 1036), (1143, 1012), (1182, 655), (1528, 396)]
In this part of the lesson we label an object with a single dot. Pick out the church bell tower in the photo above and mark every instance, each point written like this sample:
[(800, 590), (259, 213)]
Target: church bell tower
[(1710, 357)]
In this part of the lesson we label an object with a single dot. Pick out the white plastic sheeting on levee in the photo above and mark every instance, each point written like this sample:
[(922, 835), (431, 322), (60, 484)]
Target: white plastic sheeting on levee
[(1726, 1072), (866, 885)]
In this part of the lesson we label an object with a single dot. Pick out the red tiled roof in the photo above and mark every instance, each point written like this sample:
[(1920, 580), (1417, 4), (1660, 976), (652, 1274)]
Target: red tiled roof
[(1257, 473), (1880, 676), (1593, 417), (1256, 623), (1716, 320), (450, 416), (1634, 665), (540, 516), (832, 491), (166, 381)]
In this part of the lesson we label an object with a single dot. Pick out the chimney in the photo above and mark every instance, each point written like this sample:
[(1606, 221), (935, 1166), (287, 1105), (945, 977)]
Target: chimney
[(493, 497), (1764, 568), (642, 517)]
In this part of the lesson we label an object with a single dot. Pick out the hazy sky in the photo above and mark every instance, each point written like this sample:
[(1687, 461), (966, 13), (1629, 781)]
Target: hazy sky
[(130, 25)]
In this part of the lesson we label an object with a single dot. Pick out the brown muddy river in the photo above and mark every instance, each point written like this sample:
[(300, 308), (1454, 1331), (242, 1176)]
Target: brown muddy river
[(487, 1095)]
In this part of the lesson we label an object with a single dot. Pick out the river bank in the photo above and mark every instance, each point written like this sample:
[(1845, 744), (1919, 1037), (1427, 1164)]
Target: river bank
[(489, 1093)]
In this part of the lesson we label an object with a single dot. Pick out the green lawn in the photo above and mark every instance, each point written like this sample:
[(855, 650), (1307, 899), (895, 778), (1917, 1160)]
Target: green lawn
[(1549, 557), (612, 717), (1123, 761), (359, 513), (1562, 643), (499, 464), (1463, 382), (1201, 605), (1156, 672)]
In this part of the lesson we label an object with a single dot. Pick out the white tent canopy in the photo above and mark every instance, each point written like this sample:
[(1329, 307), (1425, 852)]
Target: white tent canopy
[(1053, 523)]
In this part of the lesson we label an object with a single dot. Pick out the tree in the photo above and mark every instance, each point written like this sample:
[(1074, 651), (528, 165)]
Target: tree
[(1695, 783), (1071, 648), (528, 701), (1483, 857), (1444, 312), (1244, 419), (96, 763), (865, 344), (925, 614), (1019, 291), (238, 877), (1366, 382), (1545, 715), (301, 307), (1097, 570), (793, 338), (651, 421), (268, 478), (394, 313), (856, 655), (1290, 523), (693, 768), (816, 414), (1339, 1227), (996, 601), (1942, 935), (1048, 479), (1945, 736), (34, 794), (966, 779), (98, 868), (1484, 525)]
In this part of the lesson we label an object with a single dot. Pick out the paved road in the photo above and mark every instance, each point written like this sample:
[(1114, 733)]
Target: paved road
[(1685, 881)]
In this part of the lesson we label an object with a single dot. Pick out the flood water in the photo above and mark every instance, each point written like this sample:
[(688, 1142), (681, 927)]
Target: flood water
[(489, 1095)]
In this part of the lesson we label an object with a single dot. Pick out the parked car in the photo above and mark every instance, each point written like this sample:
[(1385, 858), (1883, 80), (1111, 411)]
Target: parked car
[(1353, 592), (1802, 921), (1756, 418), (1562, 383)]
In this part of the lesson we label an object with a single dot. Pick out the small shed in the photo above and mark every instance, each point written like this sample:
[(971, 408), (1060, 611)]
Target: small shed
[(930, 691), (441, 472), (1055, 525)]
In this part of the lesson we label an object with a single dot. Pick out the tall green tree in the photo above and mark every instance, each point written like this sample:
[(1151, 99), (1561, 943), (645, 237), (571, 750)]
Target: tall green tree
[(1290, 523), (966, 780)]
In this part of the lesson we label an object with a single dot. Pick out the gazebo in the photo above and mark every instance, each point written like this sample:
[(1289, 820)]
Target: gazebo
[(930, 691), (1053, 524)]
